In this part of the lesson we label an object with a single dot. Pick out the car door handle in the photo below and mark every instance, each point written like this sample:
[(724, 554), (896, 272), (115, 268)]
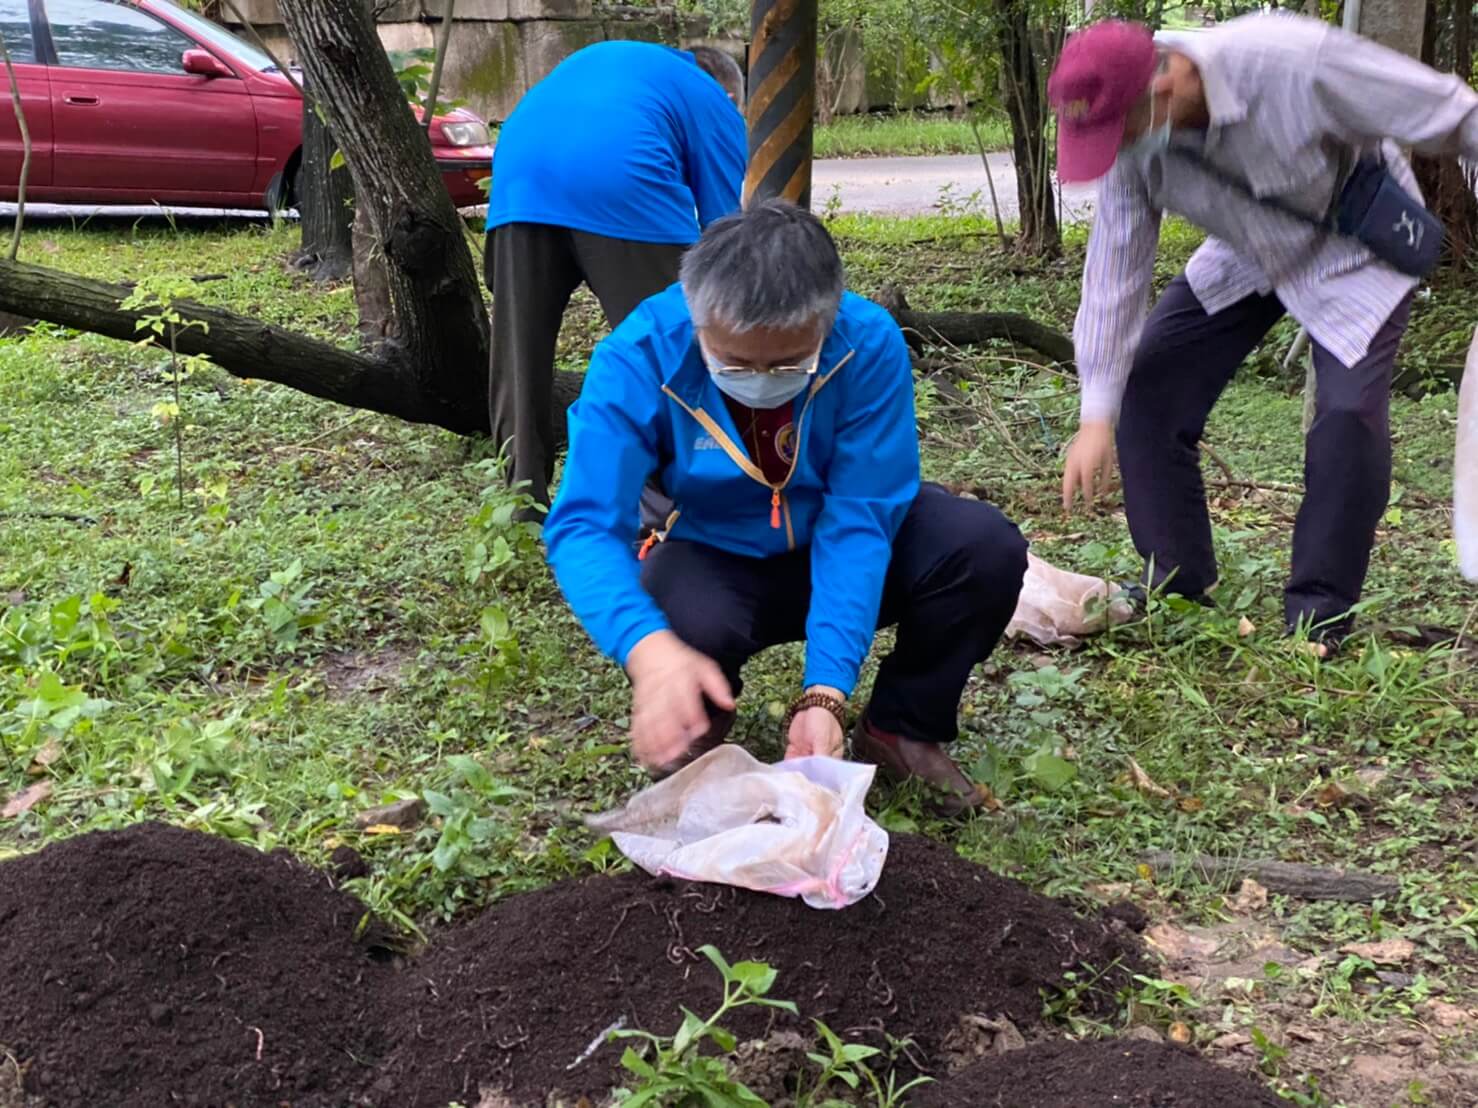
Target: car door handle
[(86, 100)]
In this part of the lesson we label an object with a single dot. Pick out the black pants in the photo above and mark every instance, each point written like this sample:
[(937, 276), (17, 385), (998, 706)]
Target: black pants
[(532, 270), (1184, 361), (951, 589)]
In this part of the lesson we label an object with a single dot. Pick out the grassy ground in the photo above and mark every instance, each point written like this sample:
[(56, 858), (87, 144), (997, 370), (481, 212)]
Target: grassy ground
[(337, 617), (859, 136)]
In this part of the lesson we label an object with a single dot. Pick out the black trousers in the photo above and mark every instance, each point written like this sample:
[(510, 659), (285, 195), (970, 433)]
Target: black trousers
[(951, 588), (1184, 361), (532, 270)]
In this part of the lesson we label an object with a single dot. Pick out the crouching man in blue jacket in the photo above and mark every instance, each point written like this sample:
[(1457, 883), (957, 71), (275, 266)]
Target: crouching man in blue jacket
[(778, 411)]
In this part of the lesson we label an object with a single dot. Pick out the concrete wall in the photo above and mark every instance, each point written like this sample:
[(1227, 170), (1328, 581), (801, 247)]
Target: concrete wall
[(1395, 23), (501, 48)]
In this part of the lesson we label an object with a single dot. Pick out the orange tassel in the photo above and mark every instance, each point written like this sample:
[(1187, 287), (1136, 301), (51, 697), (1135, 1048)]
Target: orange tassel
[(775, 509), (646, 547)]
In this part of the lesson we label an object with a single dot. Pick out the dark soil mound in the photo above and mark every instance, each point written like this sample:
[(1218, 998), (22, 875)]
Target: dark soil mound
[(1100, 1074), (156, 966), (514, 999)]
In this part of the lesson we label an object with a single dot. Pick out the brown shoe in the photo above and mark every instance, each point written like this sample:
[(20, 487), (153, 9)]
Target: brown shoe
[(720, 723), (954, 794)]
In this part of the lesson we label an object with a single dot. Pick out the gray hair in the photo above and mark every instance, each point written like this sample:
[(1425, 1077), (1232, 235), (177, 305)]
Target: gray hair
[(772, 265), (723, 69)]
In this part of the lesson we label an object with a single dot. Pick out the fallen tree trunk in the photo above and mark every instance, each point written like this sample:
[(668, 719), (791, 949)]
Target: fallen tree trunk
[(249, 348), (1287, 878), (973, 328)]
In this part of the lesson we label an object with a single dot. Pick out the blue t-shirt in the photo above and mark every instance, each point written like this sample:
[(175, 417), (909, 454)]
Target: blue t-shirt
[(625, 139)]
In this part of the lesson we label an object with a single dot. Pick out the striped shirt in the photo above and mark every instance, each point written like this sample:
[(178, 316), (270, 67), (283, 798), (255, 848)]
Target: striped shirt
[(1291, 102)]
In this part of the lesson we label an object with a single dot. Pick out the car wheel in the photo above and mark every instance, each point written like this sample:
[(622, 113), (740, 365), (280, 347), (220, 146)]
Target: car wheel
[(284, 189)]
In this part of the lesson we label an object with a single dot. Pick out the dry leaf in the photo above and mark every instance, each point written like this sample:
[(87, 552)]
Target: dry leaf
[(50, 751), (382, 829), (1251, 897), (988, 799), (1144, 782), (1390, 952), (1232, 1040), (1180, 945), (1372, 776), (1332, 795), (1245, 627), (1109, 891), (26, 799), (1190, 804), (1180, 1033), (1444, 1014)]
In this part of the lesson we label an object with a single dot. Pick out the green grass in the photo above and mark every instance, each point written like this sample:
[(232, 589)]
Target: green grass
[(906, 133), (330, 622)]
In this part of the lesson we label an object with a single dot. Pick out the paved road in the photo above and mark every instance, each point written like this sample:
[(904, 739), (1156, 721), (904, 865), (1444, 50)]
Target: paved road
[(916, 186), (883, 186)]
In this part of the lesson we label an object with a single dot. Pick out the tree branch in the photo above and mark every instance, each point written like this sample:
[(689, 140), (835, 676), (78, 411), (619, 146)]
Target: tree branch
[(443, 40), (265, 49), (970, 328), (20, 118), (243, 347)]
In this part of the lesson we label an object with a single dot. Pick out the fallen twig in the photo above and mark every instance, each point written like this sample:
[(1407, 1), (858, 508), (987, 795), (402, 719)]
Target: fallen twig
[(66, 517), (1288, 878), (1220, 462)]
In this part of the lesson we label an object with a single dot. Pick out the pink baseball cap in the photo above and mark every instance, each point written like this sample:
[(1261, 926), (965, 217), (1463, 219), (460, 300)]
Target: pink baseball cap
[(1102, 71)]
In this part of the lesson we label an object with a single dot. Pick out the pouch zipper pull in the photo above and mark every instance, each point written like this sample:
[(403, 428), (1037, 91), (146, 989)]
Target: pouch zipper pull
[(775, 509)]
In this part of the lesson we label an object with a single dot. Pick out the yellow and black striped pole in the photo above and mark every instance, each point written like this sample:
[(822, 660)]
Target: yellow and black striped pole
[(782, 100)]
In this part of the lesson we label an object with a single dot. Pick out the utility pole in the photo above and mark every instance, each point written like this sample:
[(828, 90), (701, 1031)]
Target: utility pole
[(782, 100)]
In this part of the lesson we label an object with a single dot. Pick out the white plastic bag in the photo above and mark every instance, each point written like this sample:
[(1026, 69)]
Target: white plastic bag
[(1058, 607), (793, 829), (1465, 469)]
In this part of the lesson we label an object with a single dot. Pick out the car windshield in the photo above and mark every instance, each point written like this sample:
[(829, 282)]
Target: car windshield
[(217, 35)]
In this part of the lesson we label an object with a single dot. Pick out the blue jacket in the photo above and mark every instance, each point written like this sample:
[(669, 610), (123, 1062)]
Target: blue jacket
[(623, 139), (649, 404)]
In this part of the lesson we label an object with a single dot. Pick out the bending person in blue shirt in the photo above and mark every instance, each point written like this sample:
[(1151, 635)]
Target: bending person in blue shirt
[(778, 411), (604, 173)]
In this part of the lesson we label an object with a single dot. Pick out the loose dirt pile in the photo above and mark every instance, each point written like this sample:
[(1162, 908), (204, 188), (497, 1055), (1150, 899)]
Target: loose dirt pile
[(514, 998), (1096, 1075), (156, 966)]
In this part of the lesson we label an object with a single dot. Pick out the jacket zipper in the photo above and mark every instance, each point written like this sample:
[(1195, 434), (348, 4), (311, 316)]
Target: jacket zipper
[(779, 504)]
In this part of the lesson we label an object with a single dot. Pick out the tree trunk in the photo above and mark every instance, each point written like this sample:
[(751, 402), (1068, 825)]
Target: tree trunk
[(324, 198), (1026, 108), (241, 346), (440, 326), (371, 286), (249, 348), (1446, 185)]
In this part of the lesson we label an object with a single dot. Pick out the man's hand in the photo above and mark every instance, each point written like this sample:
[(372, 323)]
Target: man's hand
[(669, 680), (815, 731), (1090, 463)]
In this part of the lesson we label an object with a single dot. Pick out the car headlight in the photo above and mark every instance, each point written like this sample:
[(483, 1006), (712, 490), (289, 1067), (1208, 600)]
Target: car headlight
[(466, 134)]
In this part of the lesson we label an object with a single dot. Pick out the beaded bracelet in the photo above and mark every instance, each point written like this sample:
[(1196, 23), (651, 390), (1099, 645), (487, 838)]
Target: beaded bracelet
[(834, 705)]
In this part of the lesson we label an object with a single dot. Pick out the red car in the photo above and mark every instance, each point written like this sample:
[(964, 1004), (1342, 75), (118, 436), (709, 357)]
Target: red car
[(142, 101)]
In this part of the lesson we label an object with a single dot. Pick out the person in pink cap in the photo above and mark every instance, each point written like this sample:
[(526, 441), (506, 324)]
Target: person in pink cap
[(1278, 135)]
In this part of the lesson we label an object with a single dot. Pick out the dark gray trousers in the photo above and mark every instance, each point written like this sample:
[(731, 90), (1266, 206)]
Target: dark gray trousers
[(1184, 361), (951, 588), (532, 270)]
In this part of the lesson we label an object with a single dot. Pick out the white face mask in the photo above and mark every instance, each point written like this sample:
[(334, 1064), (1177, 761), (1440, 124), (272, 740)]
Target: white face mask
[(1154, 140), (760, 390)]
